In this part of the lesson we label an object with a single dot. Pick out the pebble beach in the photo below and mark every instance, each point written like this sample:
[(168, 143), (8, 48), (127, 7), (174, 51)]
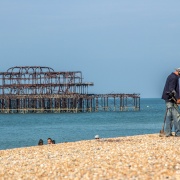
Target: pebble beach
[(132, 157)]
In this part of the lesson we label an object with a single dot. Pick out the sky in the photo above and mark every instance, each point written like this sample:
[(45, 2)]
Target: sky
[(122, 46)]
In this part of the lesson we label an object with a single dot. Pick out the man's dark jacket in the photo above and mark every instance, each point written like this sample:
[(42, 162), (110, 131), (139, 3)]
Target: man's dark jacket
[(172, 83)]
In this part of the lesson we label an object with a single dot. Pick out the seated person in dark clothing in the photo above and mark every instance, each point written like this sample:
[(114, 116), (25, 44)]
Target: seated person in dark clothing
[(40, 142)]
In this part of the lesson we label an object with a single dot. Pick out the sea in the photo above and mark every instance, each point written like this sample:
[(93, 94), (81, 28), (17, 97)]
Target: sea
[(25, 130)]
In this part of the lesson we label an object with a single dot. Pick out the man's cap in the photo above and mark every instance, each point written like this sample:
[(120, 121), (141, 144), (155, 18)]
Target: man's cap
[(178, 69)]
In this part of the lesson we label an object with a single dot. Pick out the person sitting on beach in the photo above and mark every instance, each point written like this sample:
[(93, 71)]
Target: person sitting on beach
[(53, 141), (49, 141), (40, 142)]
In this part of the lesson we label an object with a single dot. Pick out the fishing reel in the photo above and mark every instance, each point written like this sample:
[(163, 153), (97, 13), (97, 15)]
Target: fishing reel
[(171, 96)]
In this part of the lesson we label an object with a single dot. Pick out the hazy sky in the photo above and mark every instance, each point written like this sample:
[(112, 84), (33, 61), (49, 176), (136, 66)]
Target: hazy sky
[(123, 46)]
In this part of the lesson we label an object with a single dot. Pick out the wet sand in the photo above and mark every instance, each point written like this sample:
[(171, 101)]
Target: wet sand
[(132, 157)]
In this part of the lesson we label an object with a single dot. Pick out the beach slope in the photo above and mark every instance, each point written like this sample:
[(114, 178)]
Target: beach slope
[(133, 157)]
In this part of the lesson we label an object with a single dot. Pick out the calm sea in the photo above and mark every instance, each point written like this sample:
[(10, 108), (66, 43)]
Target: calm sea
[(23, 130)]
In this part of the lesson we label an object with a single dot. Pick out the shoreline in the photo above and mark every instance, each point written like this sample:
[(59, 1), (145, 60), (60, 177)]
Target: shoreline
[(130, 157)]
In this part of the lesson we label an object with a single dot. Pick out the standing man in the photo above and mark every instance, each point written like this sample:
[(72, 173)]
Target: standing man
[(170, 94)]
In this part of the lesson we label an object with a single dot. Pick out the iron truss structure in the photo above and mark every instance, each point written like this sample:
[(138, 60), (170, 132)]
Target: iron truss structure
[(36, 89)]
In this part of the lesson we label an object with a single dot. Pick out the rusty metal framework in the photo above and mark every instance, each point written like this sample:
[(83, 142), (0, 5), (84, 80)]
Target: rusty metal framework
[(36, 89)]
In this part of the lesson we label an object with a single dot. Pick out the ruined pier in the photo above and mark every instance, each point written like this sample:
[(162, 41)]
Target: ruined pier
[(36, 89)]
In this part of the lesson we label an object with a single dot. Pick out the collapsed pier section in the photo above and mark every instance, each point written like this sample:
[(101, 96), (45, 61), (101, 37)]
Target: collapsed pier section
[(36, 89)]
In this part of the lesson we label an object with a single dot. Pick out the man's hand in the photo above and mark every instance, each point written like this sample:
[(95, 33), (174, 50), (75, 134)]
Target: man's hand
[(178, 101)]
